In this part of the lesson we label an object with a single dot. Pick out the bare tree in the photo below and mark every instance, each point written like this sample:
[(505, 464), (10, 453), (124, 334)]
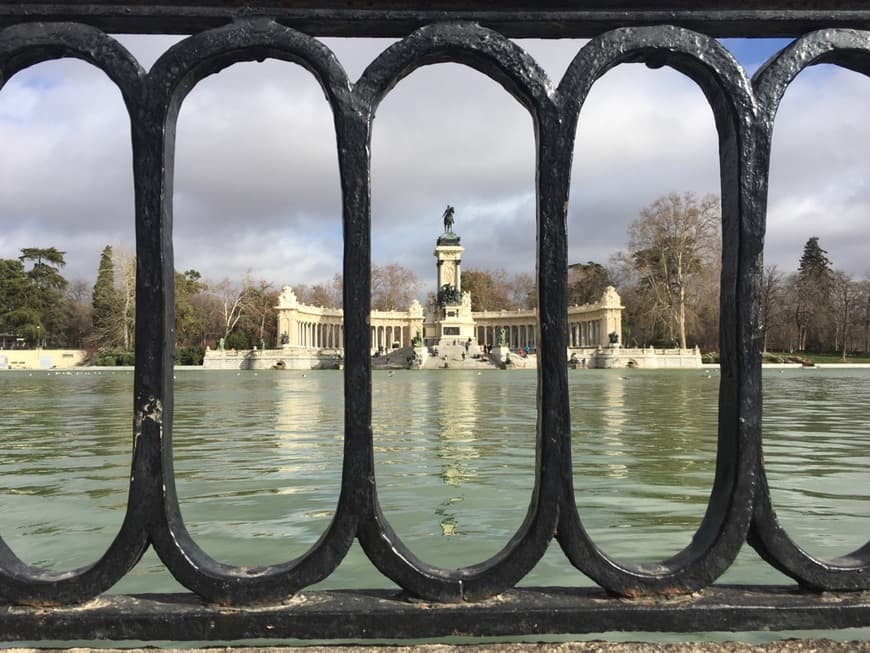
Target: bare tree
[(771, 300), (394, 287), (844, 296), (322, 294), (125, 281), (865, 300), (209, 310), (671, 242), (641, 318), (231, 297), (258, 311), (523, 291), (490, 289), (78, 308)]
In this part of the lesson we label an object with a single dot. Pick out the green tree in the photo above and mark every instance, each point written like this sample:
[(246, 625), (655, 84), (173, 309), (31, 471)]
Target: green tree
[(106, 305), (814, 261), (813, 308), (586, 282), (46, 264), (190, 320), (40, 314), (13, 286)]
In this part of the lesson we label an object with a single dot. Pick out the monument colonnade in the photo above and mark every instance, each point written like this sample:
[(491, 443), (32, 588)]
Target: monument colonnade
[(589, 325), (316, 327), (395, 329)]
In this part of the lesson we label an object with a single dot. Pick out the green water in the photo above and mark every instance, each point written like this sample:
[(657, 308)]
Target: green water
[(258, 460)]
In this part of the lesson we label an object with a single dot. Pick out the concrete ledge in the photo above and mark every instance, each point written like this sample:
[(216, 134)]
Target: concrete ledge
[(389, 614), (782, 646)]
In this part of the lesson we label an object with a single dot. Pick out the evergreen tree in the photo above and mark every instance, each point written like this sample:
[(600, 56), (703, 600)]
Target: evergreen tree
[(814, 264), (106, 304), (189, 321), (13, 288), (40, 314), (813, 308), (586, 282), (47, 262)]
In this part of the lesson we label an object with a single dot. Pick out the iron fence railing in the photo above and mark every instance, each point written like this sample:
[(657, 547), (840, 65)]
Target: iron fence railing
[(228, 602)]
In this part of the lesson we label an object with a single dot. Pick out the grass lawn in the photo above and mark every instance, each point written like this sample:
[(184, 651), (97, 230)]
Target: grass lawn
[(821, 358)]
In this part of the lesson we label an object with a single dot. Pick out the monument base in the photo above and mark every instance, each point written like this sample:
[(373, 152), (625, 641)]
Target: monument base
[(500, 356), (645, 358), (421, 355)]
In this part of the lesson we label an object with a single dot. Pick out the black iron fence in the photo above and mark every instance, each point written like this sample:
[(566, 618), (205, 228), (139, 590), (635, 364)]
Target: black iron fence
[(228, 602)]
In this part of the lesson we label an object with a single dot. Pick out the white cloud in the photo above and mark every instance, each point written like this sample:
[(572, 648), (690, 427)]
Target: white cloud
[(819, 170), (257, 184)]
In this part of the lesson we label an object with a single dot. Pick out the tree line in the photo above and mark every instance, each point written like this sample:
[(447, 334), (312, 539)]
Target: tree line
[(669, 275), (817, 308), (34, 296), (42, 308), (669, 282), (668, 278), (393, 288)]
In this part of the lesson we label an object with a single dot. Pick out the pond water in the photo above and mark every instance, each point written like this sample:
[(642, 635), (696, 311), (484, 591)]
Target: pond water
[(258, 462)]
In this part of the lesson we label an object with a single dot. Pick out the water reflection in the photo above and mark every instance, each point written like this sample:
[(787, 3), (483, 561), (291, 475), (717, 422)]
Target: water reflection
[(258, 459), (817, 453), (644, 450), (257, 455), (65, 440), (613, 422), (468, 449), (457, 412)]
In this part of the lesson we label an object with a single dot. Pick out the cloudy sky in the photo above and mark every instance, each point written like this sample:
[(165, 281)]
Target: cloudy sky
[(257, 188)]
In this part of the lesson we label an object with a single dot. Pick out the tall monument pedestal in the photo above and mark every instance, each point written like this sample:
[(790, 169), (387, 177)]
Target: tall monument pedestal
[(456, 326)]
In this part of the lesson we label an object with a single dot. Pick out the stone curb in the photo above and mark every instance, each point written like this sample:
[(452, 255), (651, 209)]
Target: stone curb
[(781, 646)]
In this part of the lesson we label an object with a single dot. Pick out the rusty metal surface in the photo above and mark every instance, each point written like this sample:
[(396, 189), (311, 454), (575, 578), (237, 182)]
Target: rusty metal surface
[(446, 600)]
